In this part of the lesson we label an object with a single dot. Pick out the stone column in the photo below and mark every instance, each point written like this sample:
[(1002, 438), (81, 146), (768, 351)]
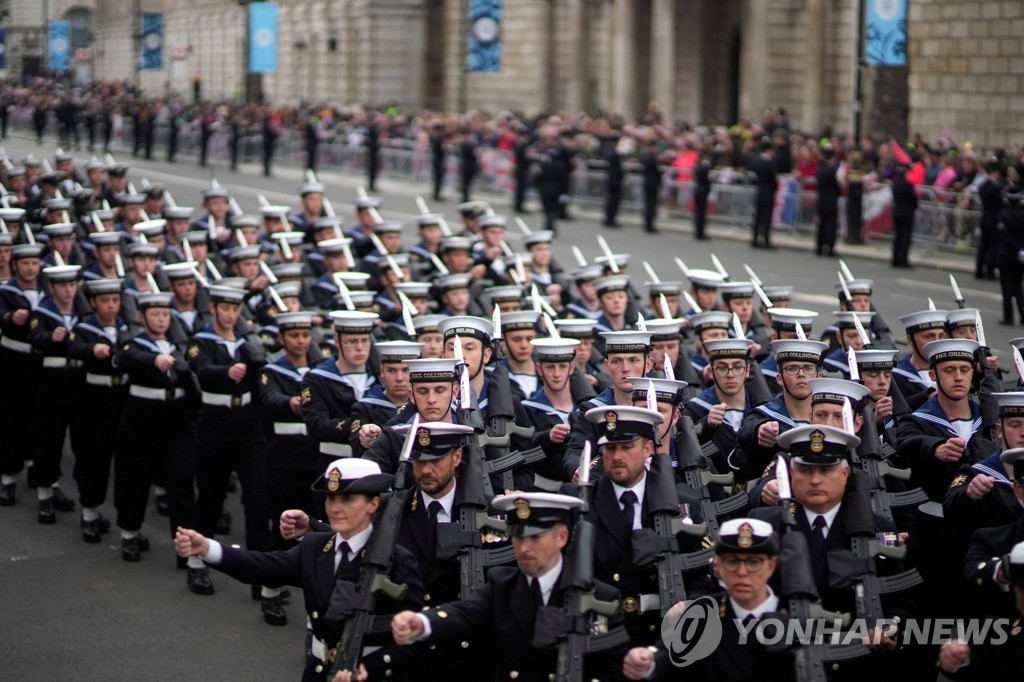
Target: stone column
[(663, 57), (814, 59), (754, 58), (624, 61), (576, 33)]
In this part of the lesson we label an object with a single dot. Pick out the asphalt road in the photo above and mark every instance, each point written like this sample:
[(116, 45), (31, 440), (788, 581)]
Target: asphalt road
[(69, 610)]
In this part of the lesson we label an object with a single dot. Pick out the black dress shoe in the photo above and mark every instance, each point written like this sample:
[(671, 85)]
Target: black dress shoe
[(161, 505), (273, 611), (198, 581), (62, 502), (224, 523), (47, 515), (142, 541), (91, 531), (7, 494), (130, 549)]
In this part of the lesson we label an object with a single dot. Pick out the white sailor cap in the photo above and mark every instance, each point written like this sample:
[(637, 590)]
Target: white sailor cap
[(388, 227), (414, 289), (493, 220), (669, 288), (713, 319), (290, 289), (538, 237), (150, 228), (327, 222), (705, 279), (856, 287), (844, 318), (875, 359), (353, 321), (333, 247), (554, 350), (626, 342), (746, 536), (226, 294), (950, 350), (521, 320), (466, 326), (965, 317), (240, 253), (427, 324), (178, 212), (178, 271), (143, 250), (398, 351), (453, 281), (587, 273), (834, 391), (664, 329), (606, 285), (59, 230), (924, 320), (731, 290), (294, 238), (431, 370), (456, 243), (311, 188), (621, 260), (779, 293), (286, 321), (723, 349), (505, 293), (429, 220), (473, 209), (354, 280), (62, 273), (786, 319), (276, 211), (100, 287), (795, 350), (665, 390), (576, 328), (363, 203)]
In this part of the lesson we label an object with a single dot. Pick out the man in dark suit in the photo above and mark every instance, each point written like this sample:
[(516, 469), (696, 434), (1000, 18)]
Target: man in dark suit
[(819, 471), (626, 437), (904, 204), (326, 564), (828, 203), (763, 167), (506, 610), (990, 192), (747, 555)]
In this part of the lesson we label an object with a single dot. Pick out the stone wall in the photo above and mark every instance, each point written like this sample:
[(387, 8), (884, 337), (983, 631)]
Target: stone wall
[(967, 70)]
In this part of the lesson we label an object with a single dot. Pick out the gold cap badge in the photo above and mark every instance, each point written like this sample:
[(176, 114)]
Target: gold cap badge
[(423, 437), (745, 536), (522, 509), (333, 480), (817, 442), (611, 420)]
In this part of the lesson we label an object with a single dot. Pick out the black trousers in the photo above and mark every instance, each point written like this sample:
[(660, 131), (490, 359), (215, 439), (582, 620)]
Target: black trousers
[(288, 489), (763, 219), (50, 427), (1010, 282), (438, 173), (550, 203), (172, 143), (467, 182), (154, 436), (650, 206), (268, 154), (985, 264), (700, 213), (221, 453), (15, 424), (612, 201), (93, 438), (828, 220), (903, 229), (204, 148)]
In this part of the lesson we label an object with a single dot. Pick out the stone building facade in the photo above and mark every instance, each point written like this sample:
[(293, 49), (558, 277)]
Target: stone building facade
[(696, 60)]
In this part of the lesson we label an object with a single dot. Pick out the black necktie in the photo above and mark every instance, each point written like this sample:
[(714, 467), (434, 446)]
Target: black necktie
[(817, 540), (628, 501), (819, 528), (433, 509), (538, 596), (345, 551)]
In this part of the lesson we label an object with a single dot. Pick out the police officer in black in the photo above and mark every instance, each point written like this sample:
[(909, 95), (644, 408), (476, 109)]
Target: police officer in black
[(228, 429), (828, 203), (95, 341), (763, 167)]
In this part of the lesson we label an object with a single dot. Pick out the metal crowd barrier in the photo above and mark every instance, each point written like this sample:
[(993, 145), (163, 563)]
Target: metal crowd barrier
[(945, 221)]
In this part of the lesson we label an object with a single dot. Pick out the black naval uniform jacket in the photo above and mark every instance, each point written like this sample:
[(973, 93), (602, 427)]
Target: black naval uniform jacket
[(310, 565), (61, 375), (210, 360), (289, 447), (987, 548), (20, 364), (833, 599), (374, 408), (136, 359), (613, 555), (504, 612), (327, 402), (920, 433), (730, 661), (442, 584)]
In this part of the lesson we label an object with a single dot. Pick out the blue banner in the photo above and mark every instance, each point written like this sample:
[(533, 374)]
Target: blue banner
[(3, 48), (484, 36), (885, 33), (59, 40), (263, 37), (152, 41)]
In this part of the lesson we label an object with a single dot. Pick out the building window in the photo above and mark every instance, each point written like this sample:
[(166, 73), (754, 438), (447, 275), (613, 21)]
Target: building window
[(81, 22)]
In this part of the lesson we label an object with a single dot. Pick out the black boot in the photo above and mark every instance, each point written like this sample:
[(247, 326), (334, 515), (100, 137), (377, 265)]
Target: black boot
[(47, 515), (198, 581), (273, 611), (91, 531)]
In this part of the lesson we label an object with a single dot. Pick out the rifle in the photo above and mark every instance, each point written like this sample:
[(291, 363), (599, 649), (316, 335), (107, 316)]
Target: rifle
[(501, 425), (856, 566), (463, 539), (470, 410), (662, 545), (402, 470), (355, 604), (697, 476), (569, 627), (871, 462), (756, 385), (801, 594), (988, 384)]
